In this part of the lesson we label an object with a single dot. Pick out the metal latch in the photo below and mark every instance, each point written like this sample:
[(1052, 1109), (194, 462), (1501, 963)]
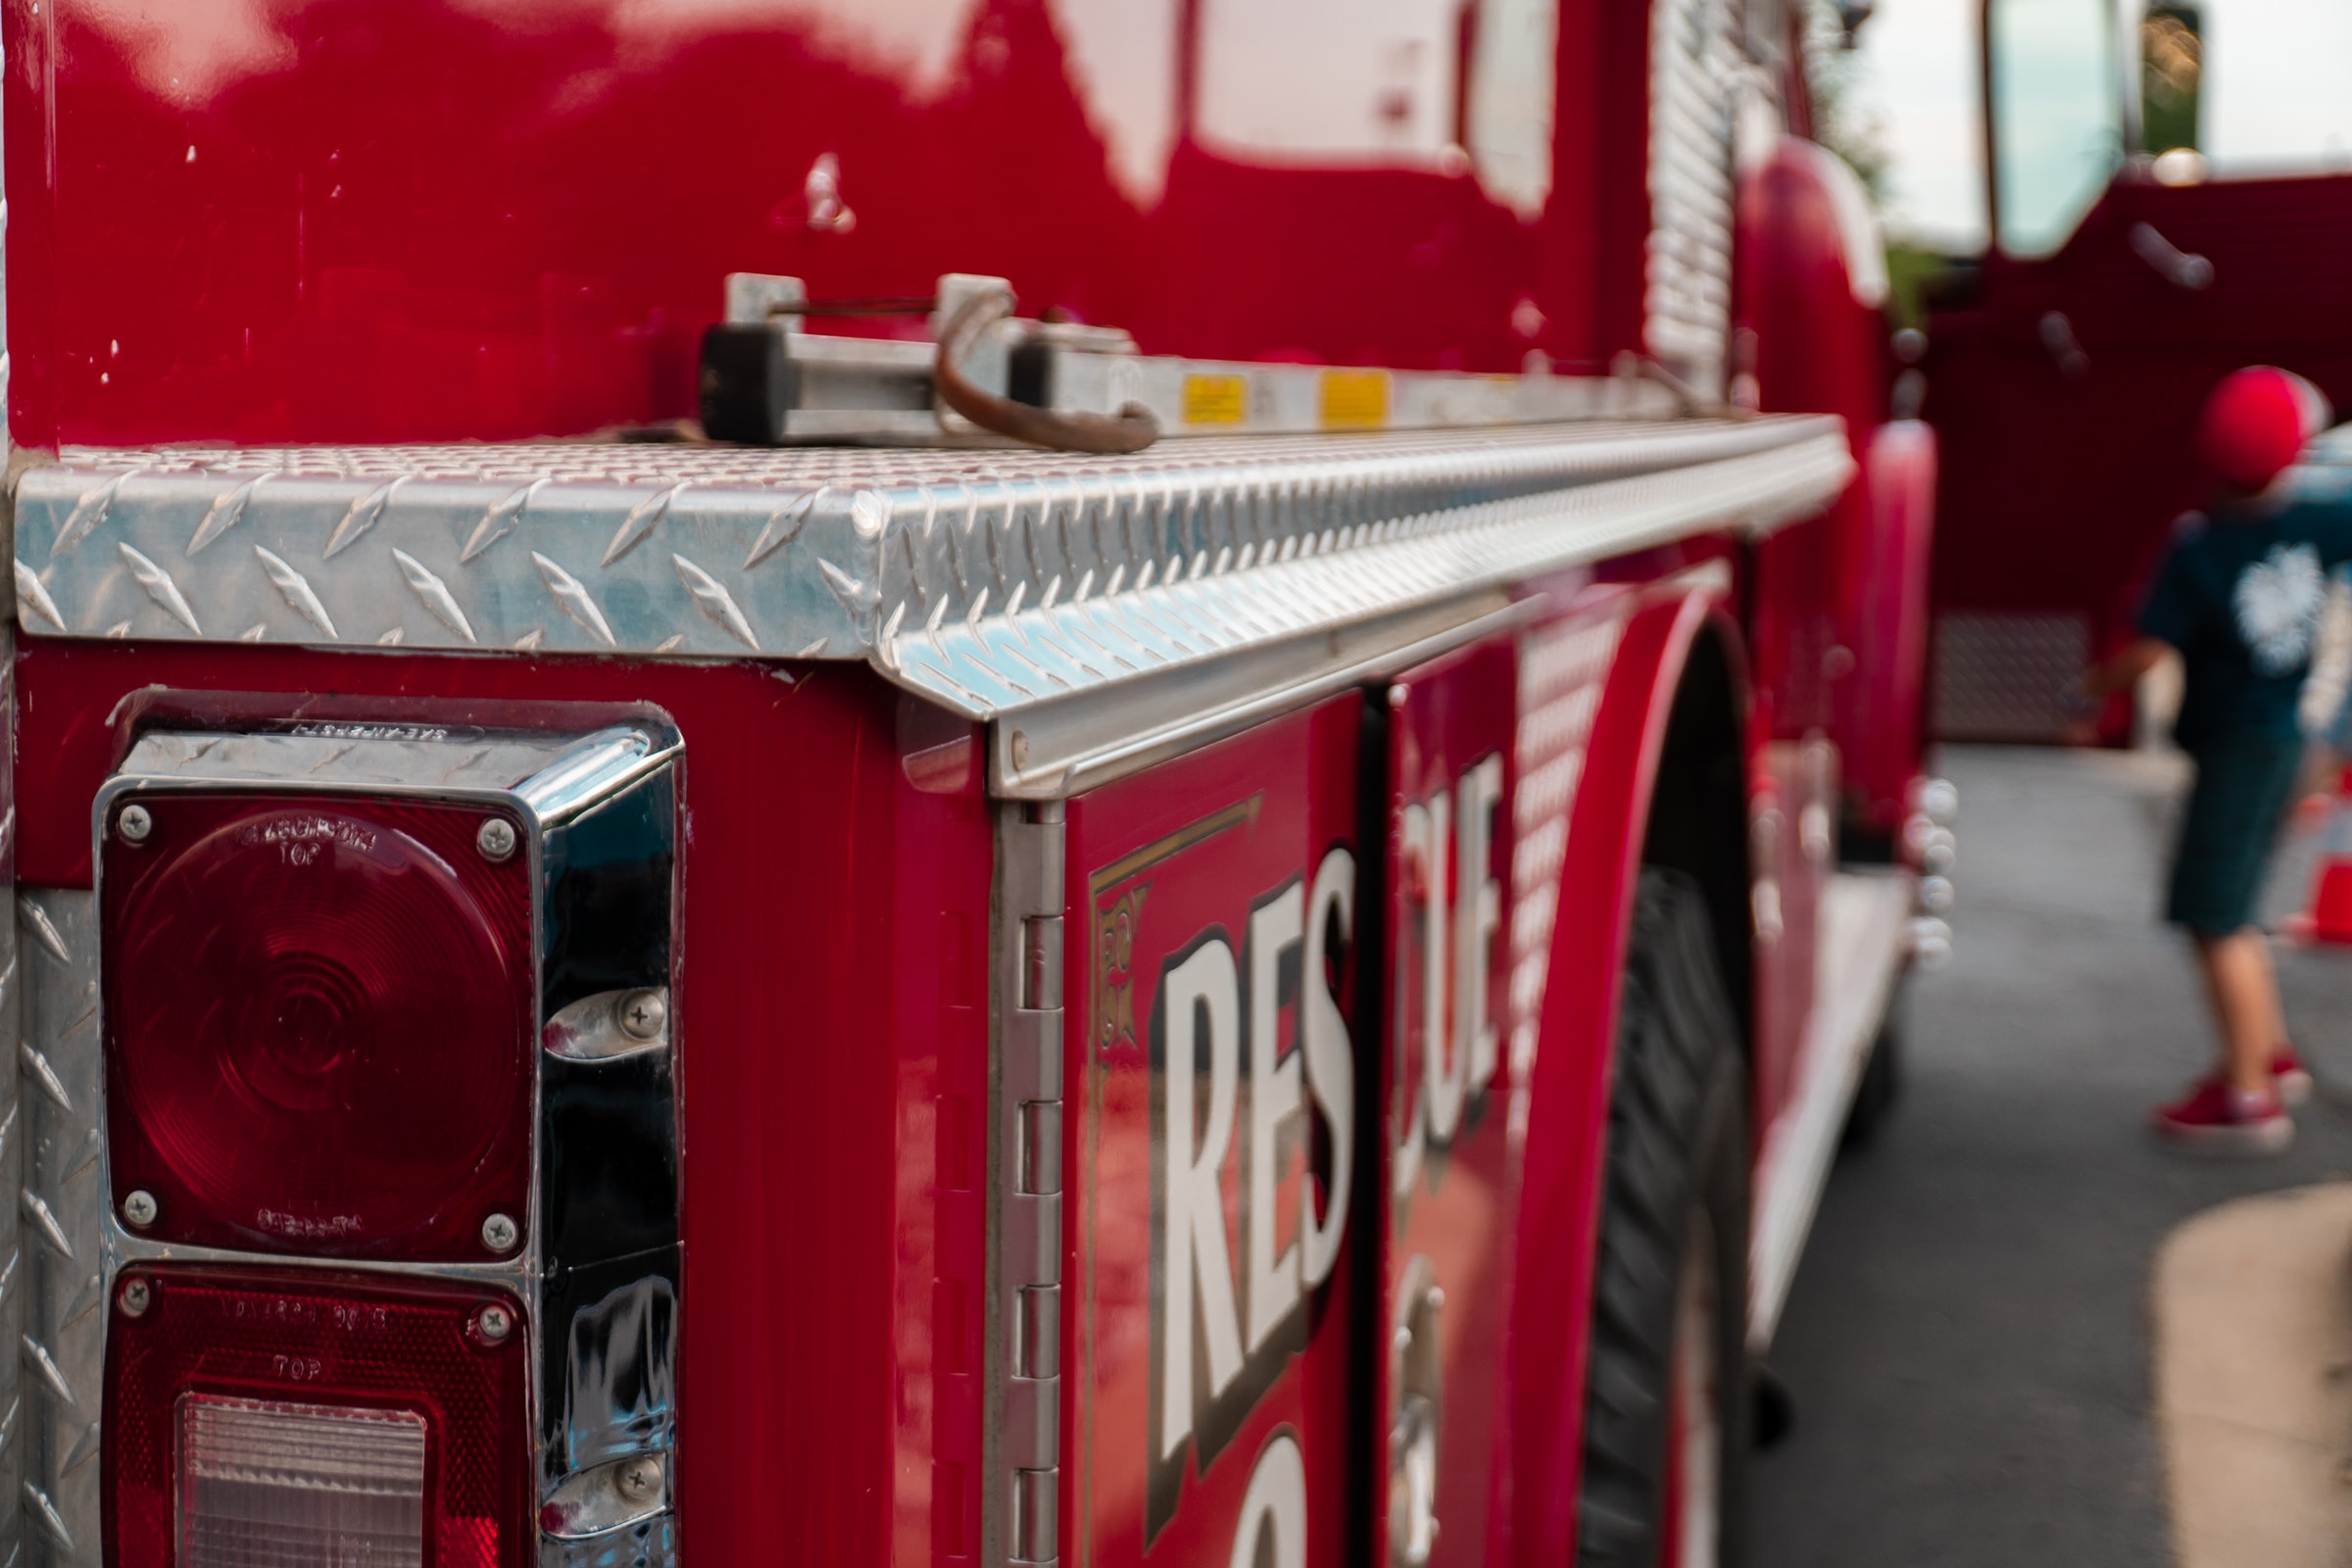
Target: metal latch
[(766, 379)]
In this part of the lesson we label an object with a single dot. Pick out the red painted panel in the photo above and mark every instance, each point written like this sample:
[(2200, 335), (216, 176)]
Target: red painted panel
[(396, 219), (2060, 481), (1885, 705), (1449, 1166), (1215, 1149), (832, 1055), (1818, 351)]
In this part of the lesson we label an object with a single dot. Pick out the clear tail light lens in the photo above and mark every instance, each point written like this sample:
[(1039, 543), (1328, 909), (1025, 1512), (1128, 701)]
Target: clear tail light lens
[(279, 1417), (269, 1482), (318, 1017)]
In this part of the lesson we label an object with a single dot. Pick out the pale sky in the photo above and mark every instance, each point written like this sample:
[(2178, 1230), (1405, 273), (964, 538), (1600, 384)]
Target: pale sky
[(2278, 98)]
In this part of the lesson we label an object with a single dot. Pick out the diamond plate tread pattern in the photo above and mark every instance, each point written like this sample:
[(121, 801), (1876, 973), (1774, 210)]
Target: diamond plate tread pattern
[(990, 579), (2007, 675), (54, 1291)]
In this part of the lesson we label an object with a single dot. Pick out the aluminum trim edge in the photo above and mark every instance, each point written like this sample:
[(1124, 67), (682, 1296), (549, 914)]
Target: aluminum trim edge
[(1093, 609), (989, 581)]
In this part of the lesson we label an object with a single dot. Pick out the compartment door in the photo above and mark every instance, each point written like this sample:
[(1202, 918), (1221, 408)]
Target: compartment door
[(1218, 1158), (1449, 1167)]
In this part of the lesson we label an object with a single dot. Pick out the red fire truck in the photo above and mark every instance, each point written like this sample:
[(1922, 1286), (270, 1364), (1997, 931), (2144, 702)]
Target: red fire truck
[(2167, 201), (1010, 781)]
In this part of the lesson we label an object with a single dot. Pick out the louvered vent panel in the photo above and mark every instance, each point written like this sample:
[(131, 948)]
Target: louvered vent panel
[(1696, 69)]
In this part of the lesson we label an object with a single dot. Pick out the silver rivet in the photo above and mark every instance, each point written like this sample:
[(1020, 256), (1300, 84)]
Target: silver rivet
[(493, 1323), (499, 1233), (639, 1480), (496, 840), (134, 824), (139, 1208), (136, 1298), (642, 1014)]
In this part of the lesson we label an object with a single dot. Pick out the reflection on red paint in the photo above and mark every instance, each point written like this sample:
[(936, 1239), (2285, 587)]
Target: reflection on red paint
[(387, 219)]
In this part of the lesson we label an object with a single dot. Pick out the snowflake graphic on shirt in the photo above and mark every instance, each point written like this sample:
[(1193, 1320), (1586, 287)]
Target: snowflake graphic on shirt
[(2278, 601)]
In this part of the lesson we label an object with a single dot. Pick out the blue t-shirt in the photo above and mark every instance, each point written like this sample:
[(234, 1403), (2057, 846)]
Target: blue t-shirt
[(2239, 594)]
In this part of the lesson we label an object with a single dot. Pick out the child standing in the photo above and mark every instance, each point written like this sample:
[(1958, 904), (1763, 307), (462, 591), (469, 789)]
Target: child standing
[(2238, 595)]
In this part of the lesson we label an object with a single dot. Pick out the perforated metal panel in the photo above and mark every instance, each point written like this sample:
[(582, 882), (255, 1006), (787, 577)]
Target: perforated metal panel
[(2007, 677)]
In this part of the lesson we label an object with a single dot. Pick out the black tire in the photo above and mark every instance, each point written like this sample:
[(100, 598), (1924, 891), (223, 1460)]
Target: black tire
[(1677, 1154), (1882, 1084)]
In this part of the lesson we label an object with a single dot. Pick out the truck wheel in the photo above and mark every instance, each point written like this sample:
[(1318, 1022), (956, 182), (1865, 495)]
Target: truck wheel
[(1667, 1405)]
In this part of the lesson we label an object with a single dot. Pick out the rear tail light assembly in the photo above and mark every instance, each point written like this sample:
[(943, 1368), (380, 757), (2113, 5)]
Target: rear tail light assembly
[(391, 1257)]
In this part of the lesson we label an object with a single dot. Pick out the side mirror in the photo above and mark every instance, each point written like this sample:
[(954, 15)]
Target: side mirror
[(2171, 69)]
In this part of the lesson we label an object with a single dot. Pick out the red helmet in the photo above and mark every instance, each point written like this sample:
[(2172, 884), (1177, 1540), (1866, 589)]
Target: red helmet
[(2255, 423)]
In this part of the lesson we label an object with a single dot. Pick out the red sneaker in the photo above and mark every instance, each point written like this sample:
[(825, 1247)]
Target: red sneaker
[(2214, 1118), (2290, 1076)]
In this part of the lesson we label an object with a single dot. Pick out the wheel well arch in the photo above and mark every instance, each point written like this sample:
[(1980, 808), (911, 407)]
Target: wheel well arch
[(1666, 784), (1697, 809)]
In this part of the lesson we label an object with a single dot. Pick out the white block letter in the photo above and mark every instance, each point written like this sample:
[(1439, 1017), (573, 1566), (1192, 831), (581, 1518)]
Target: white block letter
[(1406, 1111), (1275, 1504), (1273, 1101), (1193, 1225), (1444, 1071), (1476, 920), (1330, 1064)]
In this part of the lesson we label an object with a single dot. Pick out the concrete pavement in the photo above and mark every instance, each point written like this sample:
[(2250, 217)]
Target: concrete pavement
[(1969, 1338)]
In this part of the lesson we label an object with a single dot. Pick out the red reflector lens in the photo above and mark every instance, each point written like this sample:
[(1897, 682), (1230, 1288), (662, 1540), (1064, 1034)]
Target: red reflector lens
[(262, 1418), (318, 1017)]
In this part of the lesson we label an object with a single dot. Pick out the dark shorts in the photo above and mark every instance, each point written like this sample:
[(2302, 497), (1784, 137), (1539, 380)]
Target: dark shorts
[(2227, 834)]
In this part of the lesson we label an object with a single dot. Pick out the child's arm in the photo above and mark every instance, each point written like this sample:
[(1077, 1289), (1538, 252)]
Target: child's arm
[(2121, 669)]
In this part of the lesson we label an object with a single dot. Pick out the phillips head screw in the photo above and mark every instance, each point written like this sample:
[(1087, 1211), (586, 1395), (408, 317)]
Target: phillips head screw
[(499, 1234), (134, 824), (496, 840), (638, 1480), (493, 1323), (642, 1014), (139, 1208)]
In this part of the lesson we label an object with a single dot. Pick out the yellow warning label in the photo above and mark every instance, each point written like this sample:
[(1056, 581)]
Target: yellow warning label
[(1216, 399), (1355, 397)]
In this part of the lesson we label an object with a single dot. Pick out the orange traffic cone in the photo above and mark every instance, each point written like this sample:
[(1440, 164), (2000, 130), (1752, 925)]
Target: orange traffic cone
[(2330, 917)]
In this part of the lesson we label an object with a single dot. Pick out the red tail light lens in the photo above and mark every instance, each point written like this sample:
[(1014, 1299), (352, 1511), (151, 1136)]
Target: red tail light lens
[(319, 1015), (264, 1418)]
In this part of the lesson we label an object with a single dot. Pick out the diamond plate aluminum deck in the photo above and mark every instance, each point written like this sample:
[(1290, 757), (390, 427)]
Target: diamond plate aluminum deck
[(60, 1212), (1000, 583)]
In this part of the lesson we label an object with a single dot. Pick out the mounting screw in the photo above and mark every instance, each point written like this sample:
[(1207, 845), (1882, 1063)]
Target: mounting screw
[(134, 824), (139, 1209), (639, 1480), (493, 1323), (642, 1014), (499, 1233), (496, 840), (136, 1297)]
